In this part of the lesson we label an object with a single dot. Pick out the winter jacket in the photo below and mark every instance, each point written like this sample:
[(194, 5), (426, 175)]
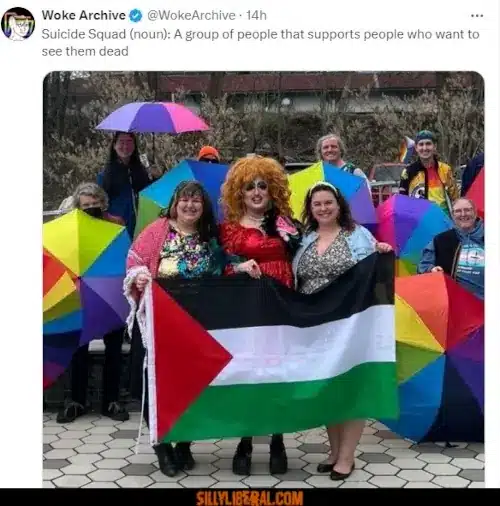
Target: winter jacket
[(451, 249)]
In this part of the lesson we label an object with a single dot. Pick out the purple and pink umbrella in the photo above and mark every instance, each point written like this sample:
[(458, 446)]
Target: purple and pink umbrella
[(153, 117)]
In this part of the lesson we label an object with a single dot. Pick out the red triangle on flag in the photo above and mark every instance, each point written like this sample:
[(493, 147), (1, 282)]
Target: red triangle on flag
[(187, 359)]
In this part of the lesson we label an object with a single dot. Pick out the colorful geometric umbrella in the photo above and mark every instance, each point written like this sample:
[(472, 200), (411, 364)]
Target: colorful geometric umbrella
[(62, 318), (408, 225), (84, 268), (153, 117), (157, 196), (476, 193), (352, 187), (440, 359)]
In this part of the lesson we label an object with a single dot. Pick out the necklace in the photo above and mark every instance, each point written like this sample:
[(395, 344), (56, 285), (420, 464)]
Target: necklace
[(255, 223), (255, 220), (181, 231)]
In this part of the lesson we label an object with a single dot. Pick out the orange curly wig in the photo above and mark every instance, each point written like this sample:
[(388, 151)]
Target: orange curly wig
[(248, 169)]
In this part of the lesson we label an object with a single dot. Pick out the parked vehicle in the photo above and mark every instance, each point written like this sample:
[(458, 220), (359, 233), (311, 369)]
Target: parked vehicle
[(384, 179)]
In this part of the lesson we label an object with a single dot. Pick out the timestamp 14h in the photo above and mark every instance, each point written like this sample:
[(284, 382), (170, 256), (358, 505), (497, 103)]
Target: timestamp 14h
[(257, 15)]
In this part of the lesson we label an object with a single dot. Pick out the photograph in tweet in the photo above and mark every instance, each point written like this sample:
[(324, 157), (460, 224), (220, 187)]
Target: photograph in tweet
[(262, 272)]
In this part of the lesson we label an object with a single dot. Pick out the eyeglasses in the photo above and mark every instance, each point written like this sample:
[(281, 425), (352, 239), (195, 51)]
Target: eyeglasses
[(468, 210), (208, 160), (261, 185)]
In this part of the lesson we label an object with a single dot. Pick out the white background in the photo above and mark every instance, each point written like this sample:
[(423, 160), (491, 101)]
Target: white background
[(23, 70)]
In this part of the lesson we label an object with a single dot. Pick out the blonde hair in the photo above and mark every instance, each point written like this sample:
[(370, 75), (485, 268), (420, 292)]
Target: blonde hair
[(336, 137)]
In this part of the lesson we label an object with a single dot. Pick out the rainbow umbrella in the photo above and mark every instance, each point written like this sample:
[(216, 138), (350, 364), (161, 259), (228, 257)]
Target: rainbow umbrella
[(440, 360), (62, 318), (84, 268), (353, 188), (408, 225), (157, 196), (153, 117)]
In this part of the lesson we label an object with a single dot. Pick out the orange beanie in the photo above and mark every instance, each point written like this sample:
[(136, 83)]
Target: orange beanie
[(208, 151)]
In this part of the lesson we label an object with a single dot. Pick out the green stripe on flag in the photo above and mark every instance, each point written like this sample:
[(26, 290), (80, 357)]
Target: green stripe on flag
[(366, 391)]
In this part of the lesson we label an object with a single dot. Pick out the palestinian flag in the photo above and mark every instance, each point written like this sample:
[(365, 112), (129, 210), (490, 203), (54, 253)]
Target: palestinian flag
[(232, 356)]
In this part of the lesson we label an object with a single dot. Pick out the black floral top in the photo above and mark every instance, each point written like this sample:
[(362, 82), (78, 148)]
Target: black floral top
[(315, 271)]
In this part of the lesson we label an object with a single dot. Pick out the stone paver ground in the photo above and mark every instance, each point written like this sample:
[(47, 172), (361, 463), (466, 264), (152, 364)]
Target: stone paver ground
[(96, 452)]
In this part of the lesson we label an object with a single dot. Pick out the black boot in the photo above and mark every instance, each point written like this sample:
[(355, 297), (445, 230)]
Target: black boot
[(242, 459), (278, 462), (166, 459), (184, 456), (116, 412), (70, 413)]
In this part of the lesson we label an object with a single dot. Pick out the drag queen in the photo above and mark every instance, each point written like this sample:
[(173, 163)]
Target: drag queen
[(258, 228)]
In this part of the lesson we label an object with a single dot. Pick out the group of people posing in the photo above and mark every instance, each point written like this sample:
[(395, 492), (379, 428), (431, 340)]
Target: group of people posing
[(257, 236)]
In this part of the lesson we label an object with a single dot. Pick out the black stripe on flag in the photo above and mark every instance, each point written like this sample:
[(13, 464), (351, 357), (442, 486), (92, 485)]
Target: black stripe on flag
[(239, 301)]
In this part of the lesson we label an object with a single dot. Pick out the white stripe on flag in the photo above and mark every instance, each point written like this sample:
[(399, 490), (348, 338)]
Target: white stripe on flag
[(283, 354)]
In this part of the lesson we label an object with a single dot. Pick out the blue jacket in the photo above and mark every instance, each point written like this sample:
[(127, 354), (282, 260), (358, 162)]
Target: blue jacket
[(122, 205), (449, 244), (361, 243)]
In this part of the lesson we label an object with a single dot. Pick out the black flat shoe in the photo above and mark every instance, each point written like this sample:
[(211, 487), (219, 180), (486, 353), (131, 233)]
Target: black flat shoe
[(242, 460), (324, 468), (185, 460), (278, 462), (166, 459), (336, 476)]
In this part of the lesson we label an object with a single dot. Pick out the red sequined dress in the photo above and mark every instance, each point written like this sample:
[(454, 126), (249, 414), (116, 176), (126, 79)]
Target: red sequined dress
[(252, 244)]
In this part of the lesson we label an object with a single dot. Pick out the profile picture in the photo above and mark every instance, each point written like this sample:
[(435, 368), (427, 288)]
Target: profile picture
[(18, 24)]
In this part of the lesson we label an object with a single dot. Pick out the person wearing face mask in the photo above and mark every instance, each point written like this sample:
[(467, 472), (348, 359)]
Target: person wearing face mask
[(332, 244), (428, 178), (91, 199), (257, 227), (182, 242), (459, 252)]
